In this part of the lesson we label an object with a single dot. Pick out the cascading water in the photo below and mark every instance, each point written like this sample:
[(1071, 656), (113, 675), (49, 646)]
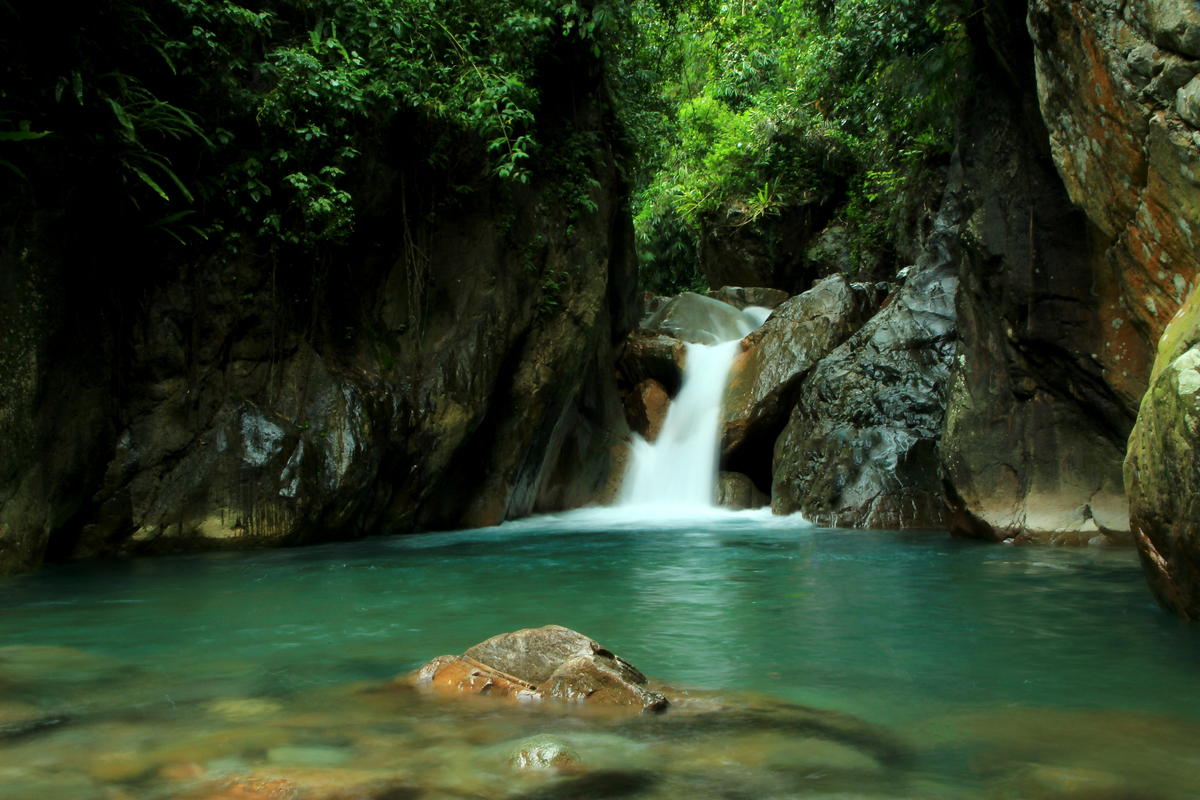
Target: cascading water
[(680, 467)]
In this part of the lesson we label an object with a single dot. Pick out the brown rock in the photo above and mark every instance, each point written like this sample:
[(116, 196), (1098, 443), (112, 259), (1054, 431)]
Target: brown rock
[(549, 663), (650, 354), (599, 681), (464, 674), (646, 408)]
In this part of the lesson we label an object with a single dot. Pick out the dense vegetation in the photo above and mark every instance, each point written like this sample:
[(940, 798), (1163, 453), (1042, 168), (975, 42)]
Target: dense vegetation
[(765, 105), (202, 117)]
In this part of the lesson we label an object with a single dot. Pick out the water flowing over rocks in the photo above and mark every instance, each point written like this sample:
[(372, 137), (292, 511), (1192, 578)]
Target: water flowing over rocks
[(1162, 472)]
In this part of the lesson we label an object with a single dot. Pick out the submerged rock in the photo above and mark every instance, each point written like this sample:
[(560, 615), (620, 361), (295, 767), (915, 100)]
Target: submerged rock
[(548, 663), (543, 752), (1162, 472), (737, 492)]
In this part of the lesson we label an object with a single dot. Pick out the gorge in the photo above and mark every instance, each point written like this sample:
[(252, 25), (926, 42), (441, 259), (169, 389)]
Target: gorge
[(828, 360)]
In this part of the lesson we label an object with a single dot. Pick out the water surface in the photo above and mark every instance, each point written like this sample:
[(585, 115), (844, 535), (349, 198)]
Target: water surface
[(961, 669)]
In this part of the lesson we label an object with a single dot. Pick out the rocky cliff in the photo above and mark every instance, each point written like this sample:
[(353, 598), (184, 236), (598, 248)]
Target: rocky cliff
[(1118, 88), (440, 370)]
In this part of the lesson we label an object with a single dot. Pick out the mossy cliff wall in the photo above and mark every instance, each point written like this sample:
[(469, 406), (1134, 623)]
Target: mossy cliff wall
[(431, 373)]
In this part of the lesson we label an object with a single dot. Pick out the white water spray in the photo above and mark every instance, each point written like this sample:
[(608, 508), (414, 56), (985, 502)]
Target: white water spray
[(680, 467)]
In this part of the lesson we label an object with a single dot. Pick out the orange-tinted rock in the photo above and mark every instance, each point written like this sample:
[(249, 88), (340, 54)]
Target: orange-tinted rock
[(598, 681), (646, 408), (549, 663), (466, 675)]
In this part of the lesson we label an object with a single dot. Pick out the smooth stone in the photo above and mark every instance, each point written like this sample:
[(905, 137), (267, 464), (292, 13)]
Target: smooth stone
[(698, 319), (646, 408), (743, 297), (737, 492), (543, 752)]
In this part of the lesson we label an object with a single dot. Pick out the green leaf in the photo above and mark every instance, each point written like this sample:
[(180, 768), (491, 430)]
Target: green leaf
[(21, 136)]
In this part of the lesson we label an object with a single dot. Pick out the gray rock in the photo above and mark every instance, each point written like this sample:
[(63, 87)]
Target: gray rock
[(1175, 74), (1187, 102), (764, 378), (1174, 24), (1144, 60), (861, 447), (737, 492)]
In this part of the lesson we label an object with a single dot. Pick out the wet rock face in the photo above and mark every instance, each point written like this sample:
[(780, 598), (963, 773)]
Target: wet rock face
[(536, 664), (646, 409), (1110, 92), (737, 492), (1036, 423), (765, 376), (861, 446), (1162, 472), (225, 403), (650, 355)]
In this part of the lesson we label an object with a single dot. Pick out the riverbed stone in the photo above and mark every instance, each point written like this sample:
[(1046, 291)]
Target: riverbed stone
[(646, 408), (542, 753), (600, 680)]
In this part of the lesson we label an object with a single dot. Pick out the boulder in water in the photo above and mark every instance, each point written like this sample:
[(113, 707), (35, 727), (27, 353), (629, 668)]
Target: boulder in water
[(646, 408), (548, 663), (737, 492), (543, 752), (701, 320)]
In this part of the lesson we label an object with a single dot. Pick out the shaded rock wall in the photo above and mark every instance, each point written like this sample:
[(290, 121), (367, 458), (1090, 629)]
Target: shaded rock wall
[(451, 373), (1036, 425)]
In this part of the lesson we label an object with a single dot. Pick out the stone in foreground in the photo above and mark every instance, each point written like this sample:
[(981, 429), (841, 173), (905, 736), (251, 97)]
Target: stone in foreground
[(549, 663)]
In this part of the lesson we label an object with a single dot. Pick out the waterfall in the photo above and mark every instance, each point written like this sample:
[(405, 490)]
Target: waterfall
[(680, 467)]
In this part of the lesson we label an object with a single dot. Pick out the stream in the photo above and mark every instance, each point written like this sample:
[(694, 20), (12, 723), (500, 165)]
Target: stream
[(850, 664)]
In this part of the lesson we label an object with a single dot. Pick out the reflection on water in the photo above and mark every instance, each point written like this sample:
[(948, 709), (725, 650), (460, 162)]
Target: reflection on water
[(850, 664)]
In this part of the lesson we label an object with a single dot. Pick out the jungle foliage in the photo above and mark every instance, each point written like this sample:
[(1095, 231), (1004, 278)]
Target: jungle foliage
[(202, 117), (210, 114), (763, 105)]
